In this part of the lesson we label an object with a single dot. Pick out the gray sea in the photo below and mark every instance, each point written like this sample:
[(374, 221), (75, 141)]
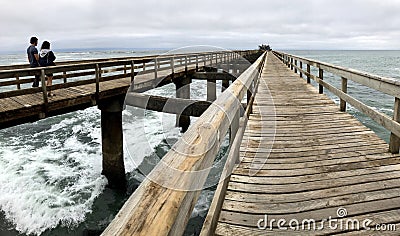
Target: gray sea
[(50, 170)]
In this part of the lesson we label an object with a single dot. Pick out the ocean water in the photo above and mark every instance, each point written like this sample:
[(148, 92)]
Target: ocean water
[(50, 170)]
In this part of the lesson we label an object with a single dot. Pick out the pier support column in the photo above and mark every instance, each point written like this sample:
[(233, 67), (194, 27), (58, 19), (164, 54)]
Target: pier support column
[(225, 85), (182, 85), (211, 90), (112, 142)]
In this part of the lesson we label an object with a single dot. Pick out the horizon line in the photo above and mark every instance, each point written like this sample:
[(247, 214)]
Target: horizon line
[(155, 49)]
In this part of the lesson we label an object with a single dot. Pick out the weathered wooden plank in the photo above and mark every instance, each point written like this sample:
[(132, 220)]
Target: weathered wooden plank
[(353, 209), (311, 204), (313, 177), (390, 216)]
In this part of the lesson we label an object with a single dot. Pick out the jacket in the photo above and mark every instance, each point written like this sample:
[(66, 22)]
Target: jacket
[(46, 58)]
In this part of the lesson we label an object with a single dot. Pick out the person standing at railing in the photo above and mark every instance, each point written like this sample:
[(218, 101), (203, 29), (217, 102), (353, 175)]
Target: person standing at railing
[(47, 58), (33, 58)]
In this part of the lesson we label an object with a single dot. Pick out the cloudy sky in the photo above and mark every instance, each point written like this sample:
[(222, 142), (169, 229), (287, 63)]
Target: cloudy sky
[(285, 24)]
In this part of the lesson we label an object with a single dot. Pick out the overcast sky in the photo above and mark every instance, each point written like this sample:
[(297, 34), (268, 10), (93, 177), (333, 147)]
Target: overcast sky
[(285, 24)]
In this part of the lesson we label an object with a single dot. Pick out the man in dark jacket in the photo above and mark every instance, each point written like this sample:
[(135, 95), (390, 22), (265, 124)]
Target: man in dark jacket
[(33, 58)]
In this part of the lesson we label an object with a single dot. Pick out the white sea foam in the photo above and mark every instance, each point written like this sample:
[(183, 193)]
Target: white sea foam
[(46, 187), (54, 179)]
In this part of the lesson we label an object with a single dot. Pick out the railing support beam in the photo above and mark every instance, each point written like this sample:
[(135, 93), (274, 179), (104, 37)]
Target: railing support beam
[(344, 90), (211, 90), (321, 77), (301, 71), (394, 144)]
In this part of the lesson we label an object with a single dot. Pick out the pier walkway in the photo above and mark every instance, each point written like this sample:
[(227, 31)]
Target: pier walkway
[(322, 162)]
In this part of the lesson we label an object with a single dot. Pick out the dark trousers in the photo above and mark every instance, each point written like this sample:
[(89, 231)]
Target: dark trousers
[(36, 79)]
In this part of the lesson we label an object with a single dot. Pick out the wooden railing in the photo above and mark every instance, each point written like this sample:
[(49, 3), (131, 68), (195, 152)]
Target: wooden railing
[(16, 82), (389, 86), (163, 203)]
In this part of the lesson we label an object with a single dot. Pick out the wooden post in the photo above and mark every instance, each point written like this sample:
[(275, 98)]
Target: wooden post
[(211, 90), (295, 68), (125, 71), (155, 68), (65, 76), (308, 74), (249, 94), (321, 77), (291, 63), (98, 76), (132, 71), (144, 66), (186, 64), (44, 90), (112, 142), (197, 63), (344, 90), (394, 143), (172, 65), (18, 84), (301, 69)]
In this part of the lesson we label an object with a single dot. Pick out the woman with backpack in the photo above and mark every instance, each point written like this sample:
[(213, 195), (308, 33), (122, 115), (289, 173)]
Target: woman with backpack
[(47, 58)]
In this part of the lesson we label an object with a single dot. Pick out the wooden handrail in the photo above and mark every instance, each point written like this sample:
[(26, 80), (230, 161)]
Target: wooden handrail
[(163, 203), (136, 58), (389, 86), (233, 158), (84, 68), (379, 83)]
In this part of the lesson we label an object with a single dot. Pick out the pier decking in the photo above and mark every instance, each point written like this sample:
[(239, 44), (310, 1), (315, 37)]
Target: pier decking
[(321, 160)]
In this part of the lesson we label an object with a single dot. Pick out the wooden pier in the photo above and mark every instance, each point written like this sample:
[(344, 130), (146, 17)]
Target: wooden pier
[(320, 160), (297, 160)]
